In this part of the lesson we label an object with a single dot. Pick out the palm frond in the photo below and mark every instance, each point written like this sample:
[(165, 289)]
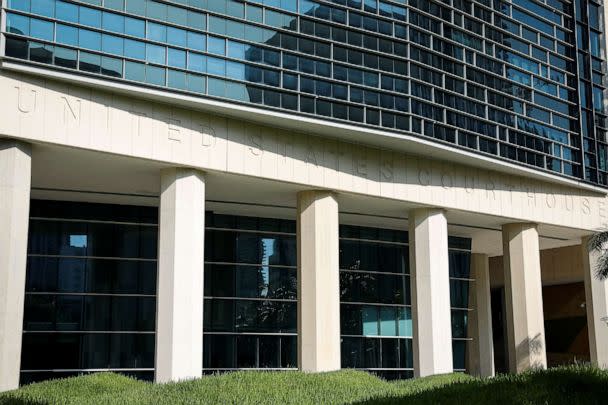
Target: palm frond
[(601, 267), (598, 241)]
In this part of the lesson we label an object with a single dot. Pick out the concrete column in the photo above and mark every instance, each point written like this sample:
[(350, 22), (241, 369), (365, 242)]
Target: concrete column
[(524, 298), (15, 184), (179, 322), (430, 285), (481, 348), (596, 300), (318, 282)]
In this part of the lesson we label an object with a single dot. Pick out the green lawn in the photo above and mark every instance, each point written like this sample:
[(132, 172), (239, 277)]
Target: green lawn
[(568, 385)]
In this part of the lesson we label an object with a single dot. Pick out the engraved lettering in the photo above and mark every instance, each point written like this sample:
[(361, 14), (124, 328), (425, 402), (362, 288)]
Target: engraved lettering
[(361, 166), (424, 177), (207, 134), (469, 183), (311, 156), (446, 180), (490, 189), (550, 200), (386, 170), (71, 112), (570, 206), (531, 196), (26, 103), (586, 208), (256, 148), (174, 129)]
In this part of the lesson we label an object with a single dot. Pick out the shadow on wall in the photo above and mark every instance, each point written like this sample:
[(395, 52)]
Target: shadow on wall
[(530, 351), (566, 385)]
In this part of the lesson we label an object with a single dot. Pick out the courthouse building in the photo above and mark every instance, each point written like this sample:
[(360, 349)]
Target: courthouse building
[(399, 186)]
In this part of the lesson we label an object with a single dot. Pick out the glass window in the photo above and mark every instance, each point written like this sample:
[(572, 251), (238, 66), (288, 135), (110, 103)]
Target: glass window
[(66, 11), (90, 17), (17, 24), (156, 54), (43, 7), (112, 44), (41, 29), (89, 39), (135, 49), (176, 58), (156, 32), (135, 27)]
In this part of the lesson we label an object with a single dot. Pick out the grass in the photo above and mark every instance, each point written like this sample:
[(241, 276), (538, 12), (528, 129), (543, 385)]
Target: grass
[(571, 385)]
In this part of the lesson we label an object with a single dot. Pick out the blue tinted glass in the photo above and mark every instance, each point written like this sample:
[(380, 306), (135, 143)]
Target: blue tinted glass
[(44, 7), (217, 45), (66, 11), (135, 27), (157, 32), (177, 58), (113, 22), (23, 5), (370, 321), (67, 35), (235, 70), (177, 80), (135, 49), (236, 50), (196, 41), (41, 29), (89, 39), (111, 66), (155, 75), (176, 36), (90, 17), (112, 44), (216, 66), (135, 71), (197, 62), (196, 83), (155, 54), (17, 24)]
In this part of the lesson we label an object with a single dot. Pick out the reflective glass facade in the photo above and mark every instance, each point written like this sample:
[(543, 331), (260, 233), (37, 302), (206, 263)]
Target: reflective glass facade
[(376, 315), (250, 318), (91, 294), (519, 80), (90, 300)]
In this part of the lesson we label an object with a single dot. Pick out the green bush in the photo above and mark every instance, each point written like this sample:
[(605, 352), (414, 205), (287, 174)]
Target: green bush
[(567, 385)]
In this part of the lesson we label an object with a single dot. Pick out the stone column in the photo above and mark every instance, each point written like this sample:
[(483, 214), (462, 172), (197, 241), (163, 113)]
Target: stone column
[(430, 285), (179, 321), (481, 348), (524, 298), (318, 282), (15, 184), (596, 300)]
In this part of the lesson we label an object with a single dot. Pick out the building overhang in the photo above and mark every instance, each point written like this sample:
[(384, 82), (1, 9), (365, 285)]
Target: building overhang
[(412, 144)]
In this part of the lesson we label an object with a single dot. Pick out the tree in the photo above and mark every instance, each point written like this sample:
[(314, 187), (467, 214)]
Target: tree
[(598, 243)]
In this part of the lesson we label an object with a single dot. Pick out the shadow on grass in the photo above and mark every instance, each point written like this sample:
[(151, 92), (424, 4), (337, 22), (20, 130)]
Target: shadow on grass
[(575, 386)]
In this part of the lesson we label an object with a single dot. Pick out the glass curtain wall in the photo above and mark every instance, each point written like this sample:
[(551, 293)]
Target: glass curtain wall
[(250, 318), (376, 320), (90, 299), (91, 294), (497, 77)]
